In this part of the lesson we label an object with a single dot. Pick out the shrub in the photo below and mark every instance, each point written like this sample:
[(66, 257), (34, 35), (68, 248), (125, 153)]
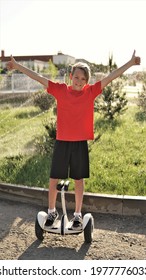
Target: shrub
[(142, 94), (10, 167), (51, 129), (43, 100), (45, 144), (142, 98), (113, 101)]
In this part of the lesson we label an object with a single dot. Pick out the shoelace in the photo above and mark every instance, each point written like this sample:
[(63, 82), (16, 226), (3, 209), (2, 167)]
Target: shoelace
[(51, 216), (77, 219)]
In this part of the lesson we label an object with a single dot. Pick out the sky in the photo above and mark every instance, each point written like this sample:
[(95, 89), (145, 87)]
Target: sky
[(89, 29)]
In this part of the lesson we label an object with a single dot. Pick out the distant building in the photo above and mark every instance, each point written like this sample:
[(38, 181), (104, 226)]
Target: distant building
[(65, 59), (38, 62)]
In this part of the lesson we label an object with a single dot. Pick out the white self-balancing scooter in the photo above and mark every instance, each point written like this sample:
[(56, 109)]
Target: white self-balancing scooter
[(64, 226)]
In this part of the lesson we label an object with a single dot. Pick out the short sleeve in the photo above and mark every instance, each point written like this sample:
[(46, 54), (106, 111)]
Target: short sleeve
[(96, 89), (55, 88)]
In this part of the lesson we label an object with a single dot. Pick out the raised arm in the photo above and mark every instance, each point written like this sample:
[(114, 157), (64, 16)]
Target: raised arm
[(135, 60), (13, 64)]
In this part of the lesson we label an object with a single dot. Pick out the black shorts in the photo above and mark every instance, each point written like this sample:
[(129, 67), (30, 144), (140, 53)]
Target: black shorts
[(70, 159)]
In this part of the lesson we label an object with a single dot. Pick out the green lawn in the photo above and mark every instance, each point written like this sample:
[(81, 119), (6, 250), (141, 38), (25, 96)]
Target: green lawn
[(117, 158), (19, 127)]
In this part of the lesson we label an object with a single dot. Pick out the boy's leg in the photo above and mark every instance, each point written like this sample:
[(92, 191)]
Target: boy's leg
[(79, 190), (59, 169), (79, 168), (52, 193)]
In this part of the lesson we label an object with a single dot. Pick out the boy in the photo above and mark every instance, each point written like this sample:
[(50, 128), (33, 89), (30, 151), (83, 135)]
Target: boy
[(75, 107)]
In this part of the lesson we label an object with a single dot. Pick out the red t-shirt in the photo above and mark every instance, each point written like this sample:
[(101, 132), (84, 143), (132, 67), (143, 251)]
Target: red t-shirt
[(75, 110)]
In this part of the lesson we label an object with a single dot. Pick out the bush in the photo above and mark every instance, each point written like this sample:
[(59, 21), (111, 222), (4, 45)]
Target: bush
[(142, 98), (45, 144), (10, 167), (51, 129), (142, 94), (113, 101), (43, 100)]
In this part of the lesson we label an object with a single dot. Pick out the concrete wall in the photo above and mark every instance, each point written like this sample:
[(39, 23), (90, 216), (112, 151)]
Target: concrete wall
[(98, 203)]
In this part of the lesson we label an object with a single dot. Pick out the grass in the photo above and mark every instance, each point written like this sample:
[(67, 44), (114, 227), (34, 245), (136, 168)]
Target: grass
[(19, 127), (117, 157)]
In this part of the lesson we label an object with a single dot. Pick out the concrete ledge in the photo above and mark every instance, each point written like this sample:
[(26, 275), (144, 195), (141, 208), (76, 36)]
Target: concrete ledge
[(98, 203)]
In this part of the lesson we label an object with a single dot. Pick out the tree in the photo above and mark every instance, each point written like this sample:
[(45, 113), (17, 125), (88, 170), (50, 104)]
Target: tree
[(113, 100), (0, 72), (51, 70), (142, 94)]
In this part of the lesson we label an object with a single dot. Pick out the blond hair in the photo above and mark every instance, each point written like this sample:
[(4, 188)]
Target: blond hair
[(83, 66)]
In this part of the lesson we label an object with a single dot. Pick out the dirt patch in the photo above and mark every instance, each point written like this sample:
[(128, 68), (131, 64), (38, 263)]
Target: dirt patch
[(115, 237)]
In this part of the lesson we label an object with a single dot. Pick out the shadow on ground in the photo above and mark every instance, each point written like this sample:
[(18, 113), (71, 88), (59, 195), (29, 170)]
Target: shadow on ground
[(17, 230)]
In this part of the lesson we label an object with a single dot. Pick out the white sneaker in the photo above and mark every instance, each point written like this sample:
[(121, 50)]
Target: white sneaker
[(52, 217), (77, 223)]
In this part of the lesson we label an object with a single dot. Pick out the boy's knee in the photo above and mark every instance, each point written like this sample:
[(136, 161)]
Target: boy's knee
[(53, 181), (79, 182)]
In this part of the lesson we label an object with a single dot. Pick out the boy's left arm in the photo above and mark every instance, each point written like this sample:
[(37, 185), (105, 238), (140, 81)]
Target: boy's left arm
[(135, 60)]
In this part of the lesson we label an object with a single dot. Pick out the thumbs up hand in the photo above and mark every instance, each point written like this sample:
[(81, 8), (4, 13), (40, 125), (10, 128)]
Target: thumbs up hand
[(11, 64), (135, 59)]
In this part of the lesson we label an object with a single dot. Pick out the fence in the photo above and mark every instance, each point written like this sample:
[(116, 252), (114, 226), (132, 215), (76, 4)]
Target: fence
[(20, 83), (17, 83)]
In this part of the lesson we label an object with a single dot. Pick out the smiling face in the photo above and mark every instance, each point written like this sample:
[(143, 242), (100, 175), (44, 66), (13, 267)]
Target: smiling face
[(78, 79)]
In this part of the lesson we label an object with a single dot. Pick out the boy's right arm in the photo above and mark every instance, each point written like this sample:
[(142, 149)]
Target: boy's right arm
[(13, 64), (135, 60)]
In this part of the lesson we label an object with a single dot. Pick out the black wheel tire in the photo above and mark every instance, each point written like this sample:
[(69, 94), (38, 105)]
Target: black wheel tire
[(88, 231), (38, 231), (62, 224)]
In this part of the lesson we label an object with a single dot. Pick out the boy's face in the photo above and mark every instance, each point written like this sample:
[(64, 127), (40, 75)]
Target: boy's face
[(78, 79)]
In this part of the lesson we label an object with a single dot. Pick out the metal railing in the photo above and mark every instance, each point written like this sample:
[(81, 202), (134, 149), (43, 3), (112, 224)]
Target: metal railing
[(17, 83)]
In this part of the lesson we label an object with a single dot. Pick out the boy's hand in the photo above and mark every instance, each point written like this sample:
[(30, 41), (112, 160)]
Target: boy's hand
[(135, 59), (11, 64)]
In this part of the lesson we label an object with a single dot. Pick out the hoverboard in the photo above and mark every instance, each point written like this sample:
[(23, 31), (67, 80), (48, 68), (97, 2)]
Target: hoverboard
[(64, 226)]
